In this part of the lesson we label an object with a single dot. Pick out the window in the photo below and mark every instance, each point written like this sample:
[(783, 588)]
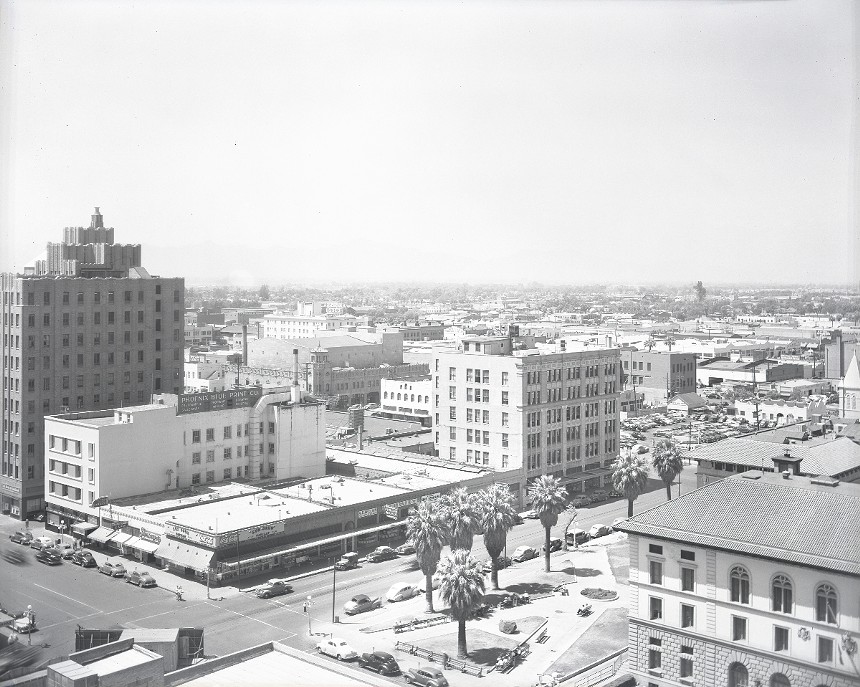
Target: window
[(195, 478), (452, 453), (686, 662), (688, 615), (504, 378), (655, 548), (195, 436), (452, 433), (452, 413), (780, 638), (781, 594), (210, 456), (739, 628), (210, 434), (738, 675), (228, 432), (195, 458), (740, 585), (655, 606), (825, 650), (504, 398), (228, 473), (452, 393), (656, 570), (825, 604), (452, 374), (655, 659), (688, 555), (228, 454), (210, 475), (779, 680), (505, 458), (688, 579)]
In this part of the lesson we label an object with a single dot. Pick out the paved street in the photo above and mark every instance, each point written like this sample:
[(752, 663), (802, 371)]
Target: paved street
[(66, 596)]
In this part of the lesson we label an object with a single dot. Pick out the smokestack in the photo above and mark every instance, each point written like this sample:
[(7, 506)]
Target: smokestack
[(244, 344), (296, 392)]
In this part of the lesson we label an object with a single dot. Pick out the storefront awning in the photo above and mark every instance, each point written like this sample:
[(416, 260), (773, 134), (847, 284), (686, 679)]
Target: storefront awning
[(142, 544), (185, 554), (101, 534), (83, 527), (120, 538)]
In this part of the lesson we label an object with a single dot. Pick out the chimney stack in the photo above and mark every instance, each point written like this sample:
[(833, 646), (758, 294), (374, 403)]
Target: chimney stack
[(296, 391), (244, 344)]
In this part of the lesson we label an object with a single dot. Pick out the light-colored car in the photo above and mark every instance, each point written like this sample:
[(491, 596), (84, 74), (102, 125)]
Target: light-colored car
[(361, 603), (577, 536), (112, 569), (141, 579), (65, 550), (337, 648), (41, 543), (580, 501), (599, 531), (426, 677), (435, 580), (524, 553), (402, 591), (530, 515), (617, 522)]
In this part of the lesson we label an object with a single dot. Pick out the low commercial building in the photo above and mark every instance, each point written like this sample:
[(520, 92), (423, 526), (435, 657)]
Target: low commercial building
[(735, 584), (782, 412), (713, 372), (408, 399), (686, 403), (659, 375)]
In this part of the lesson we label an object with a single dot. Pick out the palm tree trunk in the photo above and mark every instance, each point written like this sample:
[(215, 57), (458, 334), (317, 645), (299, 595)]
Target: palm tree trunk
[(546, 548), (629, 508), (494, 576), (461, 639), (429, 593), (668, 491)]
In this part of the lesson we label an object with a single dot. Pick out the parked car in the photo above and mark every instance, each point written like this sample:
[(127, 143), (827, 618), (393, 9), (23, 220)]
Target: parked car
[(617, 522), (503, 562), (381, 553), (405, 549), (22, 538), (141, 579), (371, 406), (361, 603), (84, 559), (347, 561), (402, 591), (273, 588), (518, 519), (530, 515), (614, 494), (598, 496), (599, 531), (380, 661), (435, 580), (41, 542), (580, 501), (426, 677), (524, 553), (554, 545), (112, 569), (65, 550), (49, 557), (24, 625), (577, 537), (337, 648)]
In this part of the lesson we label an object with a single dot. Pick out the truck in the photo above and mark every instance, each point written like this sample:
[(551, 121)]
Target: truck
[(347, 561)]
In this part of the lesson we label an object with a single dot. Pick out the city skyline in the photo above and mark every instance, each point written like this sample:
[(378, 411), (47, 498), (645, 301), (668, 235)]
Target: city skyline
[(560, 143)]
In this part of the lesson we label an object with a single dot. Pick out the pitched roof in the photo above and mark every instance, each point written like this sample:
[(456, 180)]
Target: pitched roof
[(851, 380), (766, 515), (691, 399)]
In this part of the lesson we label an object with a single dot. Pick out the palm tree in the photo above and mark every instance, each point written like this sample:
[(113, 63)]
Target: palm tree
[(630, 477), (497, 517), (461, 586), (427, 529), (548, 499), (667, 463), (462, 512)]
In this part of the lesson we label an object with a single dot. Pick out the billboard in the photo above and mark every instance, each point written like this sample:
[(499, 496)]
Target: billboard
[(218, 400)]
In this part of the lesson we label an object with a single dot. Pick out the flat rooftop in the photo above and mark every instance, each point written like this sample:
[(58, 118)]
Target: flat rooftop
[(122, 661), (345, 491), (391, 460), (245, 511)]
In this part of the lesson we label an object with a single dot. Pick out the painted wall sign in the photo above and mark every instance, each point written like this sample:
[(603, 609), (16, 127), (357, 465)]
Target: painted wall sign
[(218, 400)]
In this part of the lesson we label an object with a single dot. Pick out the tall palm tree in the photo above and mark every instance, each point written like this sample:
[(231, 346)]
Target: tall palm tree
[(548, 498), (630, 477), (427, 528), (461, 586), (667, 463), (462, 511), (497, 518)]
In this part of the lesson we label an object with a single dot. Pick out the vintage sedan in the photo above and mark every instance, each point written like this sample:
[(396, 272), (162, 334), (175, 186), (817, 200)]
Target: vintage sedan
[(405, 549), (49, 557), (337, 648), (503, 563), (273, 588), (22, 538), (84, 558), (555, 544), (381, 553), (380, 661), (112, 569), (402, 591), (361, 603), (141, 579), (524, 553)]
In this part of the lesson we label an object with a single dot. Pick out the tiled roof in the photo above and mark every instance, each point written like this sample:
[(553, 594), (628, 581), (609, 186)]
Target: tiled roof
[(832, 458), (783, 519), (691, 399)]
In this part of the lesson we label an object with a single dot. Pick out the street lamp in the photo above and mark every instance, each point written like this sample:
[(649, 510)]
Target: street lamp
[(62, 531), (31, 621)]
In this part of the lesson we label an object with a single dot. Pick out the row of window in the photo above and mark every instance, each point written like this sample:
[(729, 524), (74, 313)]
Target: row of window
[(227, 453), (407, 397), (227, 432)]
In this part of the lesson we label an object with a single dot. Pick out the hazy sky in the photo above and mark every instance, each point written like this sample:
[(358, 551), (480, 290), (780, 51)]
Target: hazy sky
[(473, 141)]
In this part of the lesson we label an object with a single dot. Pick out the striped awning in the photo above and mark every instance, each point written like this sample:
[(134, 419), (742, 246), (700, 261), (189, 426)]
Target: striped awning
[(142, 544), (83, 527), (120, 538), (101, 534)]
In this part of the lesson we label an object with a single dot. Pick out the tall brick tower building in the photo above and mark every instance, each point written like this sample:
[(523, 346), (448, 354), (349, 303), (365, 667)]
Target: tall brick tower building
[(84, 328)]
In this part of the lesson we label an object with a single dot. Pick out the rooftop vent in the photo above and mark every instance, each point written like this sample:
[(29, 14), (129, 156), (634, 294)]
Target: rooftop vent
[(786, 474), (825, 481)]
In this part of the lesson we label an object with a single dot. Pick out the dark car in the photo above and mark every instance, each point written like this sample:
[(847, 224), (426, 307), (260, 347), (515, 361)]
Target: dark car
[(141, 579), (84, 559), (21, 538), (381, 553), (49, 557), (503, 562), (274, 588), (554, 545), (614, 494), (379, 661), (598, 496)]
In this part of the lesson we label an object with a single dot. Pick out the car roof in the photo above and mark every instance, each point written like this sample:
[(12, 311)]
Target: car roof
[(382, 654), (360, 597)]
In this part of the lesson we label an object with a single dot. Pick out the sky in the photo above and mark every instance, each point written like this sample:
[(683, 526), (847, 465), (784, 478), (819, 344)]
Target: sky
[(633, 141)]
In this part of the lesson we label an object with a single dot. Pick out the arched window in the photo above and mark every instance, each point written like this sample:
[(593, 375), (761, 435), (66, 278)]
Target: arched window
[(398, 396), (384, 394), (779, 680), (781, 594), (738, 675), (826, 606), (412, 397), (740, 585)]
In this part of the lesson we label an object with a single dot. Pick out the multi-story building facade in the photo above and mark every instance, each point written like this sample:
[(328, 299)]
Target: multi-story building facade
[(547, 413), (408, 399), (752, 580), (307, 320), (86, 328), (659, 375), (180, 441)]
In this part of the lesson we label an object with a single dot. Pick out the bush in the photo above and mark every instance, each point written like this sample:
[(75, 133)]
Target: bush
[(599, 594), (508, 627)]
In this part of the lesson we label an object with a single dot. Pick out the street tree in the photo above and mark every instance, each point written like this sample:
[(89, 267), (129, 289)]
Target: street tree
[(667, 463), (497, 518), (549, 499), (461, 586), (463, 515), (630, 477), (427, 529)]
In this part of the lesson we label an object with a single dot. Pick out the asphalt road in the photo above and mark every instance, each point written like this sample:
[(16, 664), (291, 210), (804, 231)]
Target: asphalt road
[(66, 596)]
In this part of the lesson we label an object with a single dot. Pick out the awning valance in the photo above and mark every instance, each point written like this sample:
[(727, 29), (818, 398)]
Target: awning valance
[(83, 527), (101, 534), (185, 554), (142, 544), (120, 538)]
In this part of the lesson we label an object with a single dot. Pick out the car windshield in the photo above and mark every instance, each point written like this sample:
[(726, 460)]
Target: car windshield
[(359, 599)]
